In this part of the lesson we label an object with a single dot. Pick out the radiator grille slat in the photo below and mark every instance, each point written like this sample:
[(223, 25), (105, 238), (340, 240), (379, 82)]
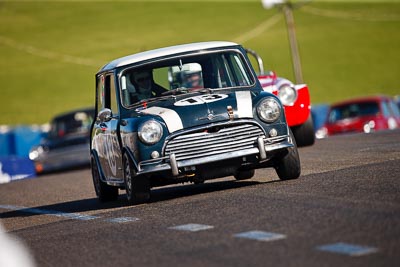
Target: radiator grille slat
[(208, 141), (203, 144)]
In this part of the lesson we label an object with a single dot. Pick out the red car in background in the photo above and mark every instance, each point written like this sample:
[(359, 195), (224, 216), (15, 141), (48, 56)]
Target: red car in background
[(296, 101), (364, 114)]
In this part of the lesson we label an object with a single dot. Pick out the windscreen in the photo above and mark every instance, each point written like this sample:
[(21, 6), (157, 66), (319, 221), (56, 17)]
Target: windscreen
[(184, 74)]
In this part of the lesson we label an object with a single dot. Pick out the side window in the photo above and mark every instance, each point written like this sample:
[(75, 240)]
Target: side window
[(240, 73), (100, 93), (110, 98), (231, 71), (223, 72), (106, 95)]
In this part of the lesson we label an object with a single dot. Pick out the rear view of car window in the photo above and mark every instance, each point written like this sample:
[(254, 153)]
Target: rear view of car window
[(353, 110), (74, 123)]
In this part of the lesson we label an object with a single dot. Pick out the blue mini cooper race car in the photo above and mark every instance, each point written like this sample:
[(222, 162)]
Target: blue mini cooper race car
[(185, 113)]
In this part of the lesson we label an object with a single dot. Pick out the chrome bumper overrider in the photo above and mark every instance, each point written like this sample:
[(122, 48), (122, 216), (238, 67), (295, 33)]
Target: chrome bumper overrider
[(265, 149)]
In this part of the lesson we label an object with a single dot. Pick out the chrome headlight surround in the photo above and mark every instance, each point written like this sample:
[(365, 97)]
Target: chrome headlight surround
[(150, 132), (269, 110), (287, 94)]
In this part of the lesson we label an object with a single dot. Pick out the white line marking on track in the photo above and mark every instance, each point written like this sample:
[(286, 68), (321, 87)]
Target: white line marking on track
[(347, 249), (75, 216), (122, 219), (192, 227), (260, 236), (67, 215)]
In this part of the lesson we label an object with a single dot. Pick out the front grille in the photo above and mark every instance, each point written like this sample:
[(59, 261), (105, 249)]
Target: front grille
[(205, 144)]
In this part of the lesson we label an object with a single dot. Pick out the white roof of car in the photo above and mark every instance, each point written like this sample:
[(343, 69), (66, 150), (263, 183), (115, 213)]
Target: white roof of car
[(165, 51)]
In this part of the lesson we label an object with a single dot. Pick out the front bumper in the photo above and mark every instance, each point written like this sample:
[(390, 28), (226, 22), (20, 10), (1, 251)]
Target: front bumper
[(264, 150)]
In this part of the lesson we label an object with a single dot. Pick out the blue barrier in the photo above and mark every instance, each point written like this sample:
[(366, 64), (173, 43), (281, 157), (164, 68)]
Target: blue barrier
[(25, 137), (18, 140), (6, 142), (15, 168), (15, 143), (319, 114)]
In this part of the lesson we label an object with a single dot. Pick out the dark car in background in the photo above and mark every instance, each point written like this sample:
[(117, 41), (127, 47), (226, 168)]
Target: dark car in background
[(362, 115), (66, 145), (185, 113)]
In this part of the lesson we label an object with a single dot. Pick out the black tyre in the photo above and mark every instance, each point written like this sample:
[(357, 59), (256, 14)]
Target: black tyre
[(137, 188), (288, 167), (243, 175), (104, 191), (304, 133)]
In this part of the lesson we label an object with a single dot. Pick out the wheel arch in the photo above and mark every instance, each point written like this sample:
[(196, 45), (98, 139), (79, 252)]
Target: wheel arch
[(129, 153)]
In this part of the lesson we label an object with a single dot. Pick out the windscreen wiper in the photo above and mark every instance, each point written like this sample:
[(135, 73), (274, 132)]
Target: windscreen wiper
[(176, 91)]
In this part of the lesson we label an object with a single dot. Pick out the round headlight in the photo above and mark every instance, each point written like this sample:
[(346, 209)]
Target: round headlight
[(150, 132), (287, 94), (269, 110)]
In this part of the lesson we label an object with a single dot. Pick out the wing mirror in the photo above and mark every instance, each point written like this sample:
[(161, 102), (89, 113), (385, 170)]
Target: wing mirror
[(105, 115)]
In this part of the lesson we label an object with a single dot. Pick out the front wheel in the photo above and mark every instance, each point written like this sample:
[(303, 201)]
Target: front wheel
[(104, 191), (288, 167), (244, 175), (137, 188), (304, 133)]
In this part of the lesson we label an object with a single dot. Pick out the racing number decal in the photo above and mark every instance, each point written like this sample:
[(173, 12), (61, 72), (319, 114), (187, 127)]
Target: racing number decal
[(198, 100), (212, 98)]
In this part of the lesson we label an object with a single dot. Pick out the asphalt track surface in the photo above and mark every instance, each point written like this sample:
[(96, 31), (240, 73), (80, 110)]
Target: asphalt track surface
[(343, 211)]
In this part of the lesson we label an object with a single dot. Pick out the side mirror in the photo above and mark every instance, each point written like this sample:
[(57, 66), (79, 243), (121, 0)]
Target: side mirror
[(105, 115), (259, 60)]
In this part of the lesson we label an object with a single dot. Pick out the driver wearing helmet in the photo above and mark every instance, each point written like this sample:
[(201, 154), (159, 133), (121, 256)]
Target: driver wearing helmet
[(192, 76), (194, 80), (145, 85)]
